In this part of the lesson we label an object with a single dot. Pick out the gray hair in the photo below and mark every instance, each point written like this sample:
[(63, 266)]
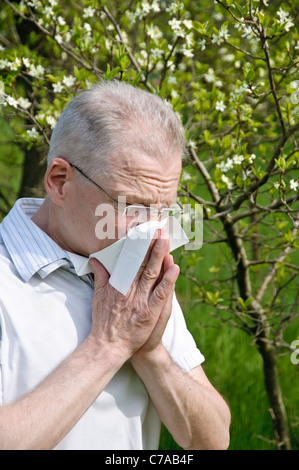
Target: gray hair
[(110, 117)]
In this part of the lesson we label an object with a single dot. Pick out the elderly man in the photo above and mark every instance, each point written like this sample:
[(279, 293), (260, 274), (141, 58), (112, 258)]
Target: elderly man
[(82, 365)]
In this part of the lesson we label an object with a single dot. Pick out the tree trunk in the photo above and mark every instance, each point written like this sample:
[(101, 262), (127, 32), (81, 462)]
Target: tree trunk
[(33, 172), (261, 332), (278, 413)]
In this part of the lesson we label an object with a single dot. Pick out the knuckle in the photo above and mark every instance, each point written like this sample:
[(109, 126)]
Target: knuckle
[(160, 292), (149, 274)]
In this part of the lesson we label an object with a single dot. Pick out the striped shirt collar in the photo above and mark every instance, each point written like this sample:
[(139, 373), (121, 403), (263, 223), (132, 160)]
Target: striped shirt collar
[(31, 249)]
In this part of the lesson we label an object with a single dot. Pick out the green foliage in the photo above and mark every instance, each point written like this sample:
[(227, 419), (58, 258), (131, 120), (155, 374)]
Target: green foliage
[(229, 70)]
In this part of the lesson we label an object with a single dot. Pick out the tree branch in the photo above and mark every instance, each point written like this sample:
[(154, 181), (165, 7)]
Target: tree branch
[(211, 185), (130, 55), (261, 291)]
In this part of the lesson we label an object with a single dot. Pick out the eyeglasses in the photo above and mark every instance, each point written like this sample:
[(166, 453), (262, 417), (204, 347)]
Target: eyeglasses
[(139, 211)]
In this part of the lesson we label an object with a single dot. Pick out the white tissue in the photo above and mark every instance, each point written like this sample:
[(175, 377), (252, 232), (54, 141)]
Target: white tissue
[(123, 258)]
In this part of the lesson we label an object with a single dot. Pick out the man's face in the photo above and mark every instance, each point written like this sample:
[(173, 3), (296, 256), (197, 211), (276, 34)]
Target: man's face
[(138, 179)]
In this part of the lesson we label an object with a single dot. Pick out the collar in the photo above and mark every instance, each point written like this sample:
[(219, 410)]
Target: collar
[(30, 248)]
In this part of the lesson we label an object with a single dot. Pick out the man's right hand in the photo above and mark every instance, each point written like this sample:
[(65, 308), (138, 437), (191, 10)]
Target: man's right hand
[(127, 322)]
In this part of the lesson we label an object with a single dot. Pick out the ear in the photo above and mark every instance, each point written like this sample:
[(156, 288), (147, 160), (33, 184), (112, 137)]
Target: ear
[(56, 178)]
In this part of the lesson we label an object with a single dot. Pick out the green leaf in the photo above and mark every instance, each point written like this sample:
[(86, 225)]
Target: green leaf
[(110, 74)]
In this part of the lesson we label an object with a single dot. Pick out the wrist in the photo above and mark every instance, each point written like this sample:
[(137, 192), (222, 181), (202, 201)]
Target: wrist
[(157, 357), (105, 352)]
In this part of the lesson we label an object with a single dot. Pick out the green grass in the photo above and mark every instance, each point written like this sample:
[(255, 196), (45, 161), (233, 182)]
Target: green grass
[(235, 368)]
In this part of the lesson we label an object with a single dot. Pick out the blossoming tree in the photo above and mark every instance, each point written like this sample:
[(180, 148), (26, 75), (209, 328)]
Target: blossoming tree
[(229, 70)]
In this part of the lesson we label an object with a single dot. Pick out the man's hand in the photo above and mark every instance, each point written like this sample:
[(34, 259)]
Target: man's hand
[(135, 322)]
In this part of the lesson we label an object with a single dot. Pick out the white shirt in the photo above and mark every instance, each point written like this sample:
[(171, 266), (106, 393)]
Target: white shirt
[(45, 313)]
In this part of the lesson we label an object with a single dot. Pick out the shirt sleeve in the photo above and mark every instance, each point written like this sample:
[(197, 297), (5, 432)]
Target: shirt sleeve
[(179, 342)]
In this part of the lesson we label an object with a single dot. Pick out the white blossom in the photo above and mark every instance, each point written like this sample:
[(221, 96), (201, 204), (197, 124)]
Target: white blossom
[(48, 12), (57, 87), (11, 101), (216, 38), (157, 53), (37, 70), (16, 64), (225, 166), (40, 117), (187, 52), (155, 6), (220, 106), (228, 57), (69, 81), (176, 26), (288, 25), (67, 36), (189, 39), (61, 21), (146, 7), (192, 144), (221, 36), (26, 62), (188, 24), (223, 33), (238, 159), (51, 121), (186, 176), (284, 19), (34, 3), (294, 185), (210, 75), (58, 38), (88, 12), (24, 103), (3, 63), (247, 32), (202, 44), (239, 25), (142, 11), (154, 32), (173, 8), (218, 16), (87, 28), (251, 158), (33, 134), (283, 16), (246, 174), (227, 181)]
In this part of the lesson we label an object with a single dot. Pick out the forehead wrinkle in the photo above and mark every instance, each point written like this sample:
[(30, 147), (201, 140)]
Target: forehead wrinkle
[(143, 179)]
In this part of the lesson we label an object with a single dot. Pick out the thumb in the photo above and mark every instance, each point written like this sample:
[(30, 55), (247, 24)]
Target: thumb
[(101, 274)]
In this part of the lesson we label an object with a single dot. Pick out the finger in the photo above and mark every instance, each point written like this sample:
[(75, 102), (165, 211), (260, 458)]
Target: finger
[(159, 233), (153, 241), (154, 265), (101, 275), (168, 262), (165, 288)]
